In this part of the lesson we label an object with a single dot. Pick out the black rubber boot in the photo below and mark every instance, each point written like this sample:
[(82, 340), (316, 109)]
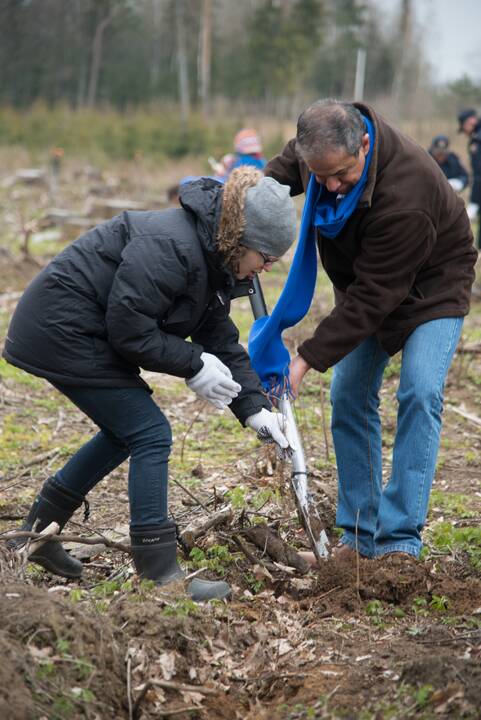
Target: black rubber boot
[(54, 503), (154, 551)]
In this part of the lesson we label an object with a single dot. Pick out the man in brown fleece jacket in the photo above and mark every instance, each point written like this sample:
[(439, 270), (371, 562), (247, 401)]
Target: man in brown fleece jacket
[(395, 240)]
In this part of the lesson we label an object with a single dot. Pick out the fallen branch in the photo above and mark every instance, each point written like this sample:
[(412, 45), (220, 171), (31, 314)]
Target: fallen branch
[(181, 687), (44, 536), (244, 549), (33, 461), (473, 348), (128, 662), (270, 542), (191, 494), (67, 538), (199, 527), (467, 415), (169, 685)]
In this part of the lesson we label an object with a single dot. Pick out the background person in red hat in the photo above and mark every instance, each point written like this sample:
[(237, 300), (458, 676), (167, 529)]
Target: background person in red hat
[(248, 150)]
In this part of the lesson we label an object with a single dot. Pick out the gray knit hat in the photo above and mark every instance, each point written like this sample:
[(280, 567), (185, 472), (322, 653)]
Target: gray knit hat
[(270, 218)]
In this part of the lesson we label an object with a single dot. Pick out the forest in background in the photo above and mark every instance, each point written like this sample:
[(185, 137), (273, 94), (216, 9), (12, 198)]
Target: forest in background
[(177, 77)]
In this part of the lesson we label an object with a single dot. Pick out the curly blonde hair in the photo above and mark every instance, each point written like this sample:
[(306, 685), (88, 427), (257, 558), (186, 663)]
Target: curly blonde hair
[(232, 219)]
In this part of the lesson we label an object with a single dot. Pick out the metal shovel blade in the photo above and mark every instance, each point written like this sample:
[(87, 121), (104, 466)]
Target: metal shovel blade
[(306, 508)]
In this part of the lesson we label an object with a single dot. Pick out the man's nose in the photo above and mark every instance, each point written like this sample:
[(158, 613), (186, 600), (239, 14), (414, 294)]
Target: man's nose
[(333, 184)]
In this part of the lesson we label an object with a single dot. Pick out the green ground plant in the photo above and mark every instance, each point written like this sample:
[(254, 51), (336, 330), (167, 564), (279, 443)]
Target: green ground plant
[(376, 611), (216, 558), (182, 608), (456, 504), (440, 603), (447, 538)]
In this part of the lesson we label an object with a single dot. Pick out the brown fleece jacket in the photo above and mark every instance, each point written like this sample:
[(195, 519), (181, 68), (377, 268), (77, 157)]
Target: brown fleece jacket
[(404, 257)]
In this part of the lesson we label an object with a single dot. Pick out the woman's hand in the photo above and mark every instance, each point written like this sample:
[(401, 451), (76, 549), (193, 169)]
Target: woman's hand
[(297, 370)]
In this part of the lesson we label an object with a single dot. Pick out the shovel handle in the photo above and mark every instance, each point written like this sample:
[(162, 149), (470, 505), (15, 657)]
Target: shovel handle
[(307, 511)]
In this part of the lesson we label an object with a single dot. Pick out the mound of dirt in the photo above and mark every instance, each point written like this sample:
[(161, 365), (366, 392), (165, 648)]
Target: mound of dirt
[(444, 670), (396, 580), (57, 658)]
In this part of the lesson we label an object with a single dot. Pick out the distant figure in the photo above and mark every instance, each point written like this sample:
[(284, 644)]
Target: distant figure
[(248, 150), (449, 163), (470, 124)]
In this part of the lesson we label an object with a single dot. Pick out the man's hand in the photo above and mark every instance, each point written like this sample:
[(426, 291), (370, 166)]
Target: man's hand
[(297, 369), (214, 382), (271, 427)]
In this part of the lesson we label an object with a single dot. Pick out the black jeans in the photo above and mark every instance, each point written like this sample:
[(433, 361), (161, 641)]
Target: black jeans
[(131, 425)]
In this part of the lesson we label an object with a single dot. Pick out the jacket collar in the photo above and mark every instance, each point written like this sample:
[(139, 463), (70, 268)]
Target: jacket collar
[(366, 197)]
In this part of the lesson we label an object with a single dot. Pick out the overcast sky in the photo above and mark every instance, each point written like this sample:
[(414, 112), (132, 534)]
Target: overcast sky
[(452, 35)]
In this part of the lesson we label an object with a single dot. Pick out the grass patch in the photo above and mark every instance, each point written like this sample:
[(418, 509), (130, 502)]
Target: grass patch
[(15, 375), (446, 538), (452, 503)]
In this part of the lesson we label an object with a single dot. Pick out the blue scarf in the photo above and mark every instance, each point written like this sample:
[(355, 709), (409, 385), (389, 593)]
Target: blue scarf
[(269, 356)]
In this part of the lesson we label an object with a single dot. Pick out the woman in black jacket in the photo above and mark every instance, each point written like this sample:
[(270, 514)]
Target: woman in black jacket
[(125, 296)]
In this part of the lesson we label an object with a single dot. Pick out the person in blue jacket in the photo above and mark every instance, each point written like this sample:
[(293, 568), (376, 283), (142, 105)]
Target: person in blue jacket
[(248, 150)]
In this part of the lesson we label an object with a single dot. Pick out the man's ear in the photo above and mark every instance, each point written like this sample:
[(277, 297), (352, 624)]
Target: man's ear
[(365, 143)]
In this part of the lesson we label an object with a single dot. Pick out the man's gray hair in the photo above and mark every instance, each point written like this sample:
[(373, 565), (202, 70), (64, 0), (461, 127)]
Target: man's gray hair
[(327, 126)]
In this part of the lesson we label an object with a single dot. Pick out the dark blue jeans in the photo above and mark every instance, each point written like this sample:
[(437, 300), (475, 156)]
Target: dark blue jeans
[(131, 425)]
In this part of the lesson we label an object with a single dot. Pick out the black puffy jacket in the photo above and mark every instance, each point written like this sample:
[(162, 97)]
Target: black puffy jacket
[(127, 294)]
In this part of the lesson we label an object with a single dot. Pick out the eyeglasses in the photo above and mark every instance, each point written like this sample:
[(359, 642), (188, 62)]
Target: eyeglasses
[(267, 259)]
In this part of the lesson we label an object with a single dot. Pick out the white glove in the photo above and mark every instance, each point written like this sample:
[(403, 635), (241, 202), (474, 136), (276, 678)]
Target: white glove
[(214, 382), (456, 184), (272, 427), (473, 210)]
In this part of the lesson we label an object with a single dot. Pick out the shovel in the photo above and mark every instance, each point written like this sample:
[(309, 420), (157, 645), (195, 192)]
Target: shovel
[(307, 511)]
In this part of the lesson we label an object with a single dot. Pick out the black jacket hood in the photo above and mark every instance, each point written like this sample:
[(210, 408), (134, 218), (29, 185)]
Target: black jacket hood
[(203, 199)]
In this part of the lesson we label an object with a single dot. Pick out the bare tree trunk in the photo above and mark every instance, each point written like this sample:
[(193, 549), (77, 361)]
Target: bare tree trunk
[(156, 25), (182, 66), (402, 56), (97, 49), (205, 54)]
